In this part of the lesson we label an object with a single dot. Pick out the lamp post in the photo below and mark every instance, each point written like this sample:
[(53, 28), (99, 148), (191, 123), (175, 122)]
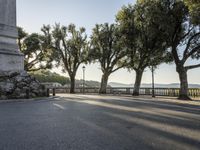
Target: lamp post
[(153, 90), (83, 79), (152, 73)]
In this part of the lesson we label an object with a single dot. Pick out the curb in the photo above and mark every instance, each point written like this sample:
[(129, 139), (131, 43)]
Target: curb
[(27, 100)]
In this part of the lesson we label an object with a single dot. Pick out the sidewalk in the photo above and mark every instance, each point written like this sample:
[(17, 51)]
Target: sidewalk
[(142, 97)]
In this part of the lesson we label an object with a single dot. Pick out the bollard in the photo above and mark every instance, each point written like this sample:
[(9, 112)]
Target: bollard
[(54, 92), (27, 93), (47, 92)]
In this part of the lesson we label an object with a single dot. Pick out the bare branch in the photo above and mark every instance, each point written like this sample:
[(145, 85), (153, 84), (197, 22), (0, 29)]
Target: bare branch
[(186, 53), (192, 67), (194, 50)]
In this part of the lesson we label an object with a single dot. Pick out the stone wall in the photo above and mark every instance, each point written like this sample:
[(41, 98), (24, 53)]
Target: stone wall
[(16, 84)]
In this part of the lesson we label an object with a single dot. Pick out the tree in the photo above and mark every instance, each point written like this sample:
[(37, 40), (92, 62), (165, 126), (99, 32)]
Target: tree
[(147, 43), (184, 38), (108, 50), (70, 49), (36, 50)]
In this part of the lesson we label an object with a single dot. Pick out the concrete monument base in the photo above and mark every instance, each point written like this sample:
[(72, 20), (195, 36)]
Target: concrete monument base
[(10, 57), (11, 61)]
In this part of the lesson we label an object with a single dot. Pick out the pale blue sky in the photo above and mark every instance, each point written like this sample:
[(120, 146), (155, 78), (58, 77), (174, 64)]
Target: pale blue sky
[(32, 14)]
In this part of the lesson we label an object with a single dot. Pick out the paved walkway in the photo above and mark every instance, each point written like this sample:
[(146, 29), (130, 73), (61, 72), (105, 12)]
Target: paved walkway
[(91, 122)]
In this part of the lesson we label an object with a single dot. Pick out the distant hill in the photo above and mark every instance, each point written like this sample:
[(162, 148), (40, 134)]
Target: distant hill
[(147, 85), (116, 84), (89, 83), (47, 76)]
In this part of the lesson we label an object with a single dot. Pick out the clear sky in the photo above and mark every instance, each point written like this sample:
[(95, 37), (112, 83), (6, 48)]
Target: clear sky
[(32, 14)]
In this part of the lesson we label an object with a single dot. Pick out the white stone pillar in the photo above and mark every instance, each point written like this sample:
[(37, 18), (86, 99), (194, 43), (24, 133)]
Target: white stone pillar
[(10, 57)]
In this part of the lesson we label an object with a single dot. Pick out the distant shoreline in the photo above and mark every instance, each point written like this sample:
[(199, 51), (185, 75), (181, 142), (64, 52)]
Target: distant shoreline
[(149, 85)]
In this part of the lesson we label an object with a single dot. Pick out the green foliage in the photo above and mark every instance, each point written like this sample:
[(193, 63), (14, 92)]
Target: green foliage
[(36, 50), (140, 25), (194, 9), (126, 21), (47, 76), (107, 47), (70, 47)]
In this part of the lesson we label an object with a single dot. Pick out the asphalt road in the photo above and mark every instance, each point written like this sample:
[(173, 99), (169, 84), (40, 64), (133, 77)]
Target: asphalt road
[(81, 122)]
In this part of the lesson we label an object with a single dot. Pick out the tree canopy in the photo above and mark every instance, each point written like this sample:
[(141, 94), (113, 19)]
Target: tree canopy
[(36, 50)]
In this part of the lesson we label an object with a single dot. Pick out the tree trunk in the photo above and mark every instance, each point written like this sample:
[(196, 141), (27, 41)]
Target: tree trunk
[(184, 94), (104, 82), (72, 84), (138, 79)]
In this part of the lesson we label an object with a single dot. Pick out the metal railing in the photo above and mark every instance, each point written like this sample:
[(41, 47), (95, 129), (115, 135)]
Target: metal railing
[(172, 92)]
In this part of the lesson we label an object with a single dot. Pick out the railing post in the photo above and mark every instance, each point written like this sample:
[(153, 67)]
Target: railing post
[(54, 92), (174, 92), (128, 91), (111, 90)]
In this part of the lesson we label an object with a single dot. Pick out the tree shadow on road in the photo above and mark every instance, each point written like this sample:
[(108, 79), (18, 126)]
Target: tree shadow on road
[(177, 125)]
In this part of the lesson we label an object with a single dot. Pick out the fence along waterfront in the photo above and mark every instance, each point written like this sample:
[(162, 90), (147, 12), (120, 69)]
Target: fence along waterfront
[(172, 92)]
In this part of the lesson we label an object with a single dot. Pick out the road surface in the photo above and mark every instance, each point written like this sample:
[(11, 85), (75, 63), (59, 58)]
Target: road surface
[(91, 122)]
